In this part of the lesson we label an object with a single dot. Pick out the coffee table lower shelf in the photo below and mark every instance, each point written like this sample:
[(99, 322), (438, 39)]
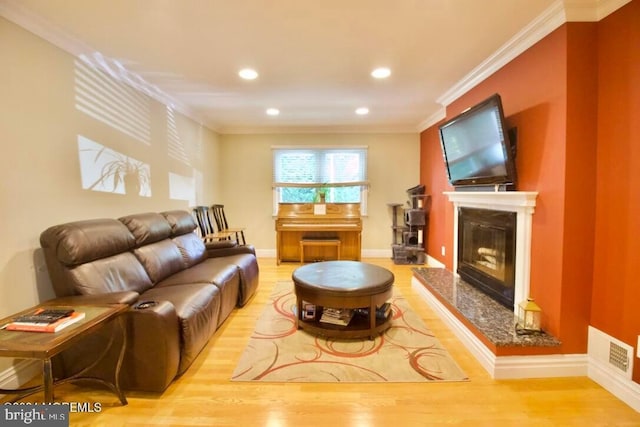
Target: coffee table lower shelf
[(358, 327)]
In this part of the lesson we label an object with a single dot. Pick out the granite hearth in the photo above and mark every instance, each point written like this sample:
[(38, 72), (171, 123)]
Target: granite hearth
[(490, 321)]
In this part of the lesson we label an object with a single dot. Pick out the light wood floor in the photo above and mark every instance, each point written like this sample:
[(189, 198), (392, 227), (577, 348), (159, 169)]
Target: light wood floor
[(205, 396)]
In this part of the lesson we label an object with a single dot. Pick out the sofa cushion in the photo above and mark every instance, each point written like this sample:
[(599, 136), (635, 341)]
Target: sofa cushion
[(181, 222), (116, 273), (197, 306), (249, 275), (213, 270), (192, 248), (84, 241), (160, 259), (71, 249), (147, 227)]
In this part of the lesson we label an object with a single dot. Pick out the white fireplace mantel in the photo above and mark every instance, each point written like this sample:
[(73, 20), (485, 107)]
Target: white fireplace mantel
[(523, 204)]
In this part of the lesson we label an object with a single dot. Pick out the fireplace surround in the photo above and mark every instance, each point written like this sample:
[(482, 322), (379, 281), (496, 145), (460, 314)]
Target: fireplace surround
[(522, 204)]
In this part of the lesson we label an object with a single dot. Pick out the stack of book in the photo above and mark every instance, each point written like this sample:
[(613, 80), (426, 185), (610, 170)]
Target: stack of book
[(382, 312), (337, 316), (45, 320)]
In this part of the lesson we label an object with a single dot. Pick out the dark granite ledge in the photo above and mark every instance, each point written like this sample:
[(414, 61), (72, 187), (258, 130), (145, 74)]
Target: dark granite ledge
[(493, 320)]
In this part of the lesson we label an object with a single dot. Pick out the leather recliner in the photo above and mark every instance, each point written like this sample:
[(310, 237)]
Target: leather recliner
[(146, 257)]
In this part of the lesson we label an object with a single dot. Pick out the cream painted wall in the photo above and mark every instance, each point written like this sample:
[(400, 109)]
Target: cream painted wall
[(41, 181), (40, 176), (394, 166)]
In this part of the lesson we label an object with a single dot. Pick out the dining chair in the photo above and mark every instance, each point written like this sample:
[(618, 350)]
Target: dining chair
[(223, 226), (208, 233)]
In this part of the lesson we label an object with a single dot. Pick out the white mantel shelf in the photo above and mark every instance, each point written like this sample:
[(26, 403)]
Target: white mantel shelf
[(503, 200), (523, 204)]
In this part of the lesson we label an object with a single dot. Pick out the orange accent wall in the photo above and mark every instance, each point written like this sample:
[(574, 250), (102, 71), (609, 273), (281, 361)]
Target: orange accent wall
[(549, 93), (432, 172), (616, 284)]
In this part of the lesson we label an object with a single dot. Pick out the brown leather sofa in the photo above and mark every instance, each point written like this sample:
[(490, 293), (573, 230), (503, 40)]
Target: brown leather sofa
[(189, 288)]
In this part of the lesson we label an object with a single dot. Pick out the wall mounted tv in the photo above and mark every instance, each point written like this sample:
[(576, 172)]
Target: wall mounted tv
[(477, 148)]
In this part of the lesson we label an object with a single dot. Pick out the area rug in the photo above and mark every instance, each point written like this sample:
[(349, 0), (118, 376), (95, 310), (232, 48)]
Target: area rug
[(278, 352)]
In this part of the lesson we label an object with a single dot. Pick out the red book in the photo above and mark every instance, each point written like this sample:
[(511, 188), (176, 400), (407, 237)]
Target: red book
[(46, 327)]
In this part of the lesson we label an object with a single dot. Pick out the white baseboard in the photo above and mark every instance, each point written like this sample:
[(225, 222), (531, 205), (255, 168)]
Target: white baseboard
[(612, 379), (18, 374), (366, 253), (542, 366), (266, 253), (434, 263), (377, 253), (505, 367)]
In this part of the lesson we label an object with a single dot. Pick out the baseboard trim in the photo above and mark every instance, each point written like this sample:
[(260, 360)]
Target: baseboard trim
[(366, 253), (614, 382), (505, 367), (542, 366), (18, 374), (434, 263)]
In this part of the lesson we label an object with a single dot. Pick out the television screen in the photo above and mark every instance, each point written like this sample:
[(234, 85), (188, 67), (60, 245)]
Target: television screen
[(476, 146)]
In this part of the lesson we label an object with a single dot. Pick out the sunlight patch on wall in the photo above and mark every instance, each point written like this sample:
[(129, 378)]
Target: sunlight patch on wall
[(175, 146), (104, 169), (182, 188), (109, 99)]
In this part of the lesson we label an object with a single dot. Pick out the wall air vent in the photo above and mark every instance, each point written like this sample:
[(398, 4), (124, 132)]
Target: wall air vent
[(618, 357), (609, 354)]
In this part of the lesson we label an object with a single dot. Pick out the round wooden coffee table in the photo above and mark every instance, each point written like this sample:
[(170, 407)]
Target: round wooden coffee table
[(350, 285)]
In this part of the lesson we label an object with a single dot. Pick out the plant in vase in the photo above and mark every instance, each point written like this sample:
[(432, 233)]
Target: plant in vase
[(321, 194)]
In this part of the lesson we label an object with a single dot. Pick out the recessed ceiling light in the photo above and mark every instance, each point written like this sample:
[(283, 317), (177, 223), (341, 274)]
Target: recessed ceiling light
[(248, 74), (273, 111), (362, 111), (381, 73)]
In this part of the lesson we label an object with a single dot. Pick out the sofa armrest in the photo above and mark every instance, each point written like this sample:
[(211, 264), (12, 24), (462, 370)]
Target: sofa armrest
[(220, 244), (230, 250), (153, 346), (124, 297)]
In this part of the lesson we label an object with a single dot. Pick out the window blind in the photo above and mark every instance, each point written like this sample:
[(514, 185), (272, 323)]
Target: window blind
[(326, 167)]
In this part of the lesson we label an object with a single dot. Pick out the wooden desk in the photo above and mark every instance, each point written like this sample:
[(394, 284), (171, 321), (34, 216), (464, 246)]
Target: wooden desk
[(330, 221), (44, 346)]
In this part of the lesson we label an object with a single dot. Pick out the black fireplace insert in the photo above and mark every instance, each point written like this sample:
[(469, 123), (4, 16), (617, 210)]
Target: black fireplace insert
[(487, 250)]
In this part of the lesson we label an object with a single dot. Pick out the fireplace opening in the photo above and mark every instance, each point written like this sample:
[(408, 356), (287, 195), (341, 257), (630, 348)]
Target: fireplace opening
[(486, 252)]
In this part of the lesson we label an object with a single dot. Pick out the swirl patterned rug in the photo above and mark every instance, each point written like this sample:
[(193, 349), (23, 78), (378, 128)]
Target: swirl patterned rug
[(278, 352)]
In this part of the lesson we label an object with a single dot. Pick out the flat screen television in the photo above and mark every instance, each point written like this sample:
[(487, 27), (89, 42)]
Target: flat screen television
[(477, 148)]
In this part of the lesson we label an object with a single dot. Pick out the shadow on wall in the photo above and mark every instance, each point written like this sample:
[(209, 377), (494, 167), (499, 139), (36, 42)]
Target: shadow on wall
[(533, 143), (26, 281), (44, 287)]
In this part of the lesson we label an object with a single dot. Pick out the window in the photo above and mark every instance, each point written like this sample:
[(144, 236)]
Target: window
[(300, 174)]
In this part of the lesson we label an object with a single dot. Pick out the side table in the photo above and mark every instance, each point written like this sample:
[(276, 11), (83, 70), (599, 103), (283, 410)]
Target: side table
[(44, 346)]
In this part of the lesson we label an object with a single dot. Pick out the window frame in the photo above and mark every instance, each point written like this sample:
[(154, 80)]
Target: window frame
[(323, 149)]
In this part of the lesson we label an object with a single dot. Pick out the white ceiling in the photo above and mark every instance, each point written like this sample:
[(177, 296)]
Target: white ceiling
[(314, 57)]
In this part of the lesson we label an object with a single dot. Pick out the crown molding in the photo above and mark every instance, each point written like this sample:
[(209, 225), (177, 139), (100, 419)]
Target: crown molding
[(345, 129), (560, 12), (536, 30), (438, 115), (591, 10), (15, 12)]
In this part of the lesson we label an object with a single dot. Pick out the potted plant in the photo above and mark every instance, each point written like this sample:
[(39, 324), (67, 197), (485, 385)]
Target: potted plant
[(321, 193)]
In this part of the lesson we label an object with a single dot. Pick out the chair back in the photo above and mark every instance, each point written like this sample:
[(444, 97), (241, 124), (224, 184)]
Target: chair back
[(203, 219), (220, 217), (223, 226)]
